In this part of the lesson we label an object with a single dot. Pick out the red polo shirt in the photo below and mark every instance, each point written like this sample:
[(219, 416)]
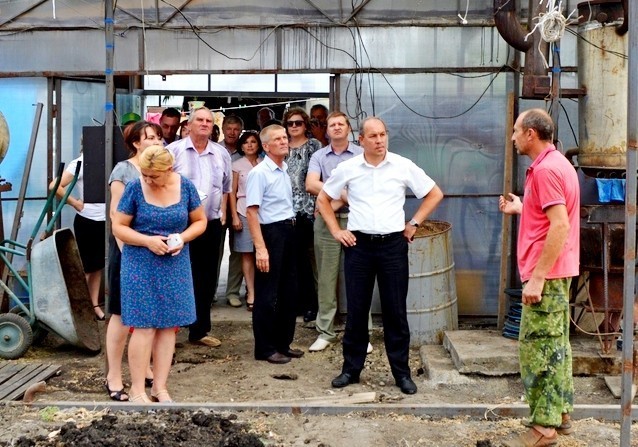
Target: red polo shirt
[(551, 180)]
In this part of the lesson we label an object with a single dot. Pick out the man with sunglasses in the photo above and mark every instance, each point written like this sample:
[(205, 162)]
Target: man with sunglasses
[(376, 242)]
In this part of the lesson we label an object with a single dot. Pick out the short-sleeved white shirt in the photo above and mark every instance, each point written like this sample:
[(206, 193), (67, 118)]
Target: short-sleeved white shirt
[(376, 194), (92, 211)]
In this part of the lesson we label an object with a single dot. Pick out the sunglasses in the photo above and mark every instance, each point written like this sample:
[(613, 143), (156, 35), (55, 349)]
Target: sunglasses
[(295, 123)]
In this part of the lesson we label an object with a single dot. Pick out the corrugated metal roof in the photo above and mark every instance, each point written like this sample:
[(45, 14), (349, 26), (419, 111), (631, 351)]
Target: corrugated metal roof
[(30, 14)]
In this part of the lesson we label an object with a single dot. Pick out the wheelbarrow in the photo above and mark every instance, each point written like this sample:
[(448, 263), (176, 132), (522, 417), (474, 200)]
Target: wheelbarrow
[(58, 296)]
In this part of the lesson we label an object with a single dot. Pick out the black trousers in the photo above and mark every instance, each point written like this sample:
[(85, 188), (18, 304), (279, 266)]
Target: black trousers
[(204, 256), (274, 312), (386, 259)]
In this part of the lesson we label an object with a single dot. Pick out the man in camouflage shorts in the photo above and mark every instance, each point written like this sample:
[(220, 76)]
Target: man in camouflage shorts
[(548, 255)]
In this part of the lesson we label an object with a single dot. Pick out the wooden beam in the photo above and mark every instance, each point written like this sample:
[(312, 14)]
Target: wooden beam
[(506, 226)]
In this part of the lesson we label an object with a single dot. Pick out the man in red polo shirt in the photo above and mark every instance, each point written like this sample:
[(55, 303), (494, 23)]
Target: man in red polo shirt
[(548, 257)]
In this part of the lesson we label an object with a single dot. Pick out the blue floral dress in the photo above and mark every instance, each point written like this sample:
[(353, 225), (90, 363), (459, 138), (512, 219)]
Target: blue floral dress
[(157, 291)]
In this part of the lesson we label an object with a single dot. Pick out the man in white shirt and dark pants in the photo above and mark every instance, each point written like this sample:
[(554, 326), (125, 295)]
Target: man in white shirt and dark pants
[(376, 242)]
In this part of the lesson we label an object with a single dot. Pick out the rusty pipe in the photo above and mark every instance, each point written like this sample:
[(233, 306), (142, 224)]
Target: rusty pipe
[(508, 25), (536, 83), (622, 29)]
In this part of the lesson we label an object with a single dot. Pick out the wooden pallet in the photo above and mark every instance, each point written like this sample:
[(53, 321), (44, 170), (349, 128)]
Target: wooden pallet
[(16, 378)]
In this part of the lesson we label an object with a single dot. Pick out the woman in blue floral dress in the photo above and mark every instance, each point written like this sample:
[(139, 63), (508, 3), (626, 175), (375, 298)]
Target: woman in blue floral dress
[(156, 216)]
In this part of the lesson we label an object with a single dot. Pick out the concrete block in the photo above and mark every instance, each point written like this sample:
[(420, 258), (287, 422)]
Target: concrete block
[(484, 352), (488, 353), (439, 368)]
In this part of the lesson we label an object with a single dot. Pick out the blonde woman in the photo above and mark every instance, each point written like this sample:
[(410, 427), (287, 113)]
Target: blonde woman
[(157, 215), (137, 137)]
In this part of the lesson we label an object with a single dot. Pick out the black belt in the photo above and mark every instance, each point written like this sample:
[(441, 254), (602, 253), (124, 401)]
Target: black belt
[(377, 238), (291, 221)]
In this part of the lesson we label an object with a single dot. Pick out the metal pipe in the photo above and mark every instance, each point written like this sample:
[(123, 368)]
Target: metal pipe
[(474, 411), (109, 110), (508, 25), (630, 231), (555, 90), (622, 29), (356, 11), (27, 171)]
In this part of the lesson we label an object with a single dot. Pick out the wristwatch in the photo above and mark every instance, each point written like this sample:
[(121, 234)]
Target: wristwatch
[(414, 223)]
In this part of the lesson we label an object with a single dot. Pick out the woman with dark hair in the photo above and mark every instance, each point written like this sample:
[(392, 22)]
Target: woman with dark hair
[(248, 145), (297, 123), (137, 137)]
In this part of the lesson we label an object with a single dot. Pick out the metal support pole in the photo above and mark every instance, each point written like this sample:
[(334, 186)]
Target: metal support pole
[(630, 230), (109, 110)]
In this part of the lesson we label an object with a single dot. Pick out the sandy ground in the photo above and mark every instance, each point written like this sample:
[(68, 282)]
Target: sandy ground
[(229, 374)]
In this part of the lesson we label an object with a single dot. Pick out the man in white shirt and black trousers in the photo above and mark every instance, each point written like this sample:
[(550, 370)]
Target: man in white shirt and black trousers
[(376, 242)]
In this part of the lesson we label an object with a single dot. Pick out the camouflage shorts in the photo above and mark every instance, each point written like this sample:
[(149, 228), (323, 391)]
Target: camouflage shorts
[(545, 355)]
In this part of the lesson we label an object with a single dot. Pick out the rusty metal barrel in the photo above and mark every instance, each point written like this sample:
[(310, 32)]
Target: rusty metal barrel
[(432, 301), (603, 71)]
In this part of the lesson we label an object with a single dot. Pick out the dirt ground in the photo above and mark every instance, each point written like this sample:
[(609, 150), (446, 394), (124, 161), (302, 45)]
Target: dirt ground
[(229, 374)]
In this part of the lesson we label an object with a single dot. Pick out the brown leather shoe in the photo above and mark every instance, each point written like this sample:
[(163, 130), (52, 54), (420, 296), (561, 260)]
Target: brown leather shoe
[(209, 341), (532, 438), (565, 428), (278, 359), (294, 353)]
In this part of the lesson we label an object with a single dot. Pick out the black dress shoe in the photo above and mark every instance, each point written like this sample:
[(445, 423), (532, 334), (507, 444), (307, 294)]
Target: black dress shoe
[(344, 379), (309, 316), (278, 359), (407, 385), (294, 353)]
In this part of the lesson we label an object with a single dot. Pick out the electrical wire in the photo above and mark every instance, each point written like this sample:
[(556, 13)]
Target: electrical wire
[(569, 122), (464, 18), (215, 50), (495, 75), (360, 113), (615, 53), (262, 104)]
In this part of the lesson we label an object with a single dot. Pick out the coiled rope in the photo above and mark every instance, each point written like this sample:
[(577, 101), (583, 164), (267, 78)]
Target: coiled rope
[(551, 24)]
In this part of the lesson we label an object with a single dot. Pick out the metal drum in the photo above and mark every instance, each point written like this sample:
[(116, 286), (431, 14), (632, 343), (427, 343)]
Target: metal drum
[(432, 302), (602, 70), (61, 298)]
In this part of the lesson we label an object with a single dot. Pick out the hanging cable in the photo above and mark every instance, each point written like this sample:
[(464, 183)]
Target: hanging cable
[(464, 18)]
